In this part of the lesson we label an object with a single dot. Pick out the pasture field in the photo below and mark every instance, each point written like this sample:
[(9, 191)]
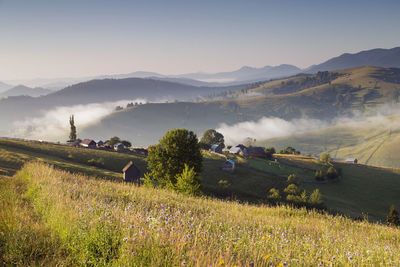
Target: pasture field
[(50, 217)]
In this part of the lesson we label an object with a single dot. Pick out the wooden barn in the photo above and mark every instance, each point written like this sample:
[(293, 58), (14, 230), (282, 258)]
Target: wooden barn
[(88, 143), (119, 147), (229, 166), (256, 152), (217, 148), (239, 150), (131, 173)]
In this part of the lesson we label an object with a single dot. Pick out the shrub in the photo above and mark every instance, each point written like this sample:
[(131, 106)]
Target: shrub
[(96, 162), (269, 152), (187, 182), (316, 198), (274, 194), (292, 179), (331, 173), (325, 157), (393, 218), (319, 175), (292, 189)]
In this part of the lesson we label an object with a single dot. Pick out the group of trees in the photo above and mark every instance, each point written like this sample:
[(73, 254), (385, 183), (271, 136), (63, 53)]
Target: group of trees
[(294, 194), (289, 150), (115, 140)]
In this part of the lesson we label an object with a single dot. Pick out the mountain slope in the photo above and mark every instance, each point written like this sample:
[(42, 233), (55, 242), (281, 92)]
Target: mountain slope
[(246, 74), (375, 57), (313, 96), (24, 90), (4, 87)]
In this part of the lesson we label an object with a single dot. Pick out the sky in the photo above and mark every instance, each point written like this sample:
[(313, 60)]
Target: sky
[(79, 38)]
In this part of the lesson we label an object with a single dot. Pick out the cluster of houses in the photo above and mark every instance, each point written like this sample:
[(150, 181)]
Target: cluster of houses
[(119, 147), (241, 150)]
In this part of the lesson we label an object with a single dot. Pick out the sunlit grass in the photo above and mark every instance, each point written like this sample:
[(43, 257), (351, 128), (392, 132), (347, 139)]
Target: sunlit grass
[(106, 223)]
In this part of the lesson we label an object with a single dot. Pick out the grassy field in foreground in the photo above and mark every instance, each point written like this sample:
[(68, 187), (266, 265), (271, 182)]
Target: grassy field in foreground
[(51, 217)]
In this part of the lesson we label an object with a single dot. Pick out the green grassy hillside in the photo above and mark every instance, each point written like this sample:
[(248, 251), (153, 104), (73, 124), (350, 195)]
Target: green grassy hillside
[(373, 141), (53, 217), (362, 189)]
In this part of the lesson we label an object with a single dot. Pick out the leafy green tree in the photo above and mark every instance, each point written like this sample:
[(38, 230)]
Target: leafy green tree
[(72, 133), (187, 182), (293, 198), (325, 157), (393, 218), (212, 137), (167, 159), (274, 194), (114, 140), (316, 198), (292, 179), (126, 143), (292, 189), (331, 173)]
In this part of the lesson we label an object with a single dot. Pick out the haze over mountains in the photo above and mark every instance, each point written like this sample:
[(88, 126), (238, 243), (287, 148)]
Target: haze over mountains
[(323, 96), (24, 90)]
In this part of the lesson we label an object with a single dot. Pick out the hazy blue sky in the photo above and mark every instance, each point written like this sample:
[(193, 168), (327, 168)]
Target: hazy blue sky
[(71, 38)]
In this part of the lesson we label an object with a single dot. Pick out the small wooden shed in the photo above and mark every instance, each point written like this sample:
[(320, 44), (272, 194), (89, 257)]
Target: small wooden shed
[(131, 173), (88, 143), (229, 166)]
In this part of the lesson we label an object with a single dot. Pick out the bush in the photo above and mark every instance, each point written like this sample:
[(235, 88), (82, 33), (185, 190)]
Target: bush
[(292, 189), (331, 173), (393, 218), (292, 179), (187, 182), (289, 150), (269, 152), (325, 157), (274, 194), (316, 198)]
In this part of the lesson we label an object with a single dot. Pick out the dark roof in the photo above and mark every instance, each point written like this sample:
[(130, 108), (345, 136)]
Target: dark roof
[(127, 166), (87, 141), (241, 146), (231, 162), (255, 149)]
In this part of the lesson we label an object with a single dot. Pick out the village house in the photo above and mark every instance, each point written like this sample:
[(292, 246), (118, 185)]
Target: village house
[(89, 143), (239, 150), (228, 166), (256, 152), (100, 143), (217, 148), (119, 147), (131, 173), (352, 160)]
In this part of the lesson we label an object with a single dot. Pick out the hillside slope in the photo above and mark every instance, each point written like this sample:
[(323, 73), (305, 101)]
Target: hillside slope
[(322, 96), (69, 219), (24, 90), (375, 57)]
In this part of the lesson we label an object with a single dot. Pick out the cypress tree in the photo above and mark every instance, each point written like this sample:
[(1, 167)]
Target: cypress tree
[(72, 133)]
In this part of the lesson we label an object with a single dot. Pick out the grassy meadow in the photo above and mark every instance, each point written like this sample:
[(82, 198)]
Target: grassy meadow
[(53, 217)]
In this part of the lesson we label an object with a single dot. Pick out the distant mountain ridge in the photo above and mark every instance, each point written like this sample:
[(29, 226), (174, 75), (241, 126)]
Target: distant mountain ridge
[(375, 57), (24, 90), (4, 87)]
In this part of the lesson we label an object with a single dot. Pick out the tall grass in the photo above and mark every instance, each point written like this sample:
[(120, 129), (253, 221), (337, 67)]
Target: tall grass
[(84, 221)]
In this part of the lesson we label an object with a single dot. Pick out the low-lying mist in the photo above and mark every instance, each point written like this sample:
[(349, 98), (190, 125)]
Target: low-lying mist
[(53, 125), (271, 127)]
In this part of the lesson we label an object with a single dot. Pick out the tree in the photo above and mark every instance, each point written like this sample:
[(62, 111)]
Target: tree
[(304, 197), (292, 179), (316, 198), (331, 173), (187, 182), (274, 194), (393, 218), (126, 143), (325, 157), (72, 133), (114, 140), (289, 150), (167, 159), (292, 189), (269, 152), (212, 137)]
